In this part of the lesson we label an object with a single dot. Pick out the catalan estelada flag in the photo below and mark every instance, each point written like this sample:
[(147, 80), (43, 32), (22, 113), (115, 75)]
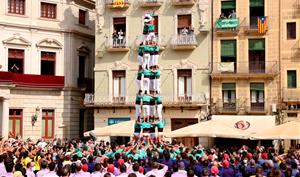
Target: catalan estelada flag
[(262, 24), (118, 3)]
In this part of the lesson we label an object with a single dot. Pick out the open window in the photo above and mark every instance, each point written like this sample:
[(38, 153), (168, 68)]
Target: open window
[(257, 95), (229, 96), (16, 61), (228, 55), (48, 63), (119, 31), (257, 9), (184, 24), (228, 7), (257, 55)]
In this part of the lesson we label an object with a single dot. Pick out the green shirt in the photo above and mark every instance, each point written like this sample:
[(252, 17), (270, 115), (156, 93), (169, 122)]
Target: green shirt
[(145, 125), (148, 28), (158, 99), (141, 50), (160, 124), (157, 73), (156, 48), (147, 72), (146, 98), (138, 99)]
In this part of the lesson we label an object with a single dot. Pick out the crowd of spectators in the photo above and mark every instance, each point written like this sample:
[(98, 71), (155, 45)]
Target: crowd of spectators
[(76, 158)]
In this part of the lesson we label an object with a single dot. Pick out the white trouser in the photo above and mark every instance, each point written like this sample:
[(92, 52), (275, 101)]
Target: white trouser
[(146, 84), (152, 60), (152, 110), (159, 110), (157, 85), (155, 62), (146, 60), (139, 84), (140, 60), (138, 111), (152, 84), (146, 110)]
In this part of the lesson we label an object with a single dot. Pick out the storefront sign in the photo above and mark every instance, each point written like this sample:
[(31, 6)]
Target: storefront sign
[(112, 121)]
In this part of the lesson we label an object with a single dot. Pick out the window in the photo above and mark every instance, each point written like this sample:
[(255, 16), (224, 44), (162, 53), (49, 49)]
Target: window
[(229, 97), (156, 24), (119, 86), (291, 30), (82, 14), (257, 55), (227, 7), (15, 122), (81, 67), (119, 33), (47, 123), (48, 10), (48, 63), (291, 78), (292, 114), (184, 85), (184, 22), (16, 61), (228, 55), (16, 7), (257, 95), (257, 9)]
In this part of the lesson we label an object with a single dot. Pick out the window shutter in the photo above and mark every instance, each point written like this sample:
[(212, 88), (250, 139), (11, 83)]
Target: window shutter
[(232, 96), (180, 86), (228, 86), (116, 87), (257, 3), (184, 21), (292, 79), (228, 48), (256, 44), (119, 21), (227, 5), (189, 86), (257, 86), (253, 96), (260, 96)]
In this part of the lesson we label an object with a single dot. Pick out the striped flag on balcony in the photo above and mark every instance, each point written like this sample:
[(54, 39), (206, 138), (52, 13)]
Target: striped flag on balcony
[(262, 24)]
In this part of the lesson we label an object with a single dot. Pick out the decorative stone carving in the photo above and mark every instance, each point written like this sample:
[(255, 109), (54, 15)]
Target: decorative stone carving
[(83, 49), (203, 12), (49, 43), (17, 40), (119, 65), (184, 64), (100, 9)]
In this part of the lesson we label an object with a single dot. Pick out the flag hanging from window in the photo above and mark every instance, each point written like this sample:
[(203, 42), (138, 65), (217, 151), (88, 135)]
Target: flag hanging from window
[(118, 3), (262, 24)]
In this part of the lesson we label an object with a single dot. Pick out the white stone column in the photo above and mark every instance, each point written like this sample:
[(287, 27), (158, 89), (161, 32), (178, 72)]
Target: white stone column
[(5, 118)]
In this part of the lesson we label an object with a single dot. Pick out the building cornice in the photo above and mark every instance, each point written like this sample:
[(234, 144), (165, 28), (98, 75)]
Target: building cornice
[(70, 31)]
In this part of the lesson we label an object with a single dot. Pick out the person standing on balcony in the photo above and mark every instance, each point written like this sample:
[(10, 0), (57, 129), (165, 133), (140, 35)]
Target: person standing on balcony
[(115, 38), (222, 16), (184, 34), (232, 14), (121, 38)]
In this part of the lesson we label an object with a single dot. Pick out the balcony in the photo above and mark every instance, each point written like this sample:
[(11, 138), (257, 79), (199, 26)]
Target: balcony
[(291, 95), (116, 45), (31, 80), (184, 42), (183, 2), (244, 70), (150, 3), (195, 100), (117, 4), (257, 108), (161, 40), (227, 27), (253, 29)]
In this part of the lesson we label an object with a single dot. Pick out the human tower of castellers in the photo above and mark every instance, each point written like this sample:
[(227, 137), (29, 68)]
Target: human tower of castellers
[(148, 103)]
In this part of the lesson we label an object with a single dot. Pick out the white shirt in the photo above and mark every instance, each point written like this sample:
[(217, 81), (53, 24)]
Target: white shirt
[(2, 169), (123, 175), (51, 174), (96, 174), (42, 172), (112, 175), (157, 172), (138, 174), (29, 172), (81, 174)]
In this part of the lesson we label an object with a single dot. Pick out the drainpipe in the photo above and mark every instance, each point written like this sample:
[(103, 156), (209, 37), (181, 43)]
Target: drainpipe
[(279, 67), (211, 55)]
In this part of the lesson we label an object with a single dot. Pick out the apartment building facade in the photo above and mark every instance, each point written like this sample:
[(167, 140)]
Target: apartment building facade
[(184, 63), (46, 59), (245, 66)]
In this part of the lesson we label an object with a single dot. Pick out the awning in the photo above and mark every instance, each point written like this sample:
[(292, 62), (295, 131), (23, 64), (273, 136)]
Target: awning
[(209, 128), (121, 129), (289, 130), (247, 124)]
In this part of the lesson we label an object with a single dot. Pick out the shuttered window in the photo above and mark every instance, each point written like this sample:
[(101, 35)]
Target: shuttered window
[(184, 21), (292, 79), (257, 3), (228, 48), (256, 44), (119, 84), (228, 4), (184, 82)]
